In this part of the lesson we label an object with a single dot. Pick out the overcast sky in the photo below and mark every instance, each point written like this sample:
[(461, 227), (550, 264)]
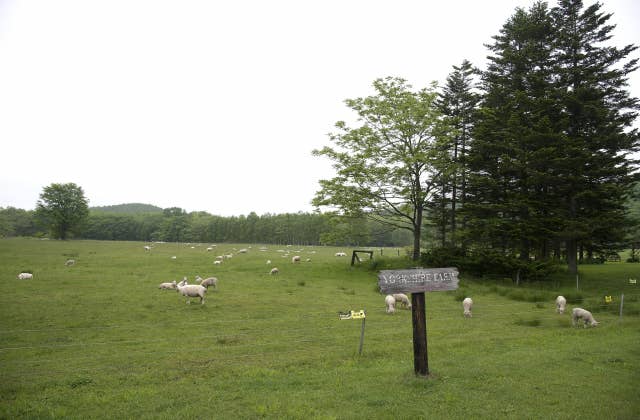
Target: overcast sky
[(215, 105)]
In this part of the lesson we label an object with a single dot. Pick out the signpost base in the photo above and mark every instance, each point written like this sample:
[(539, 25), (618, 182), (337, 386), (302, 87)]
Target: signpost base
[(419, 319)]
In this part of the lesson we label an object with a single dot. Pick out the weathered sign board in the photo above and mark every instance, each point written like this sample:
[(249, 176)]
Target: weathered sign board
[(418, 280)]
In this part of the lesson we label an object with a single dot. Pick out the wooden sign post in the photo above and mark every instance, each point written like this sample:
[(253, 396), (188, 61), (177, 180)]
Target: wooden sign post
[(417, 281)]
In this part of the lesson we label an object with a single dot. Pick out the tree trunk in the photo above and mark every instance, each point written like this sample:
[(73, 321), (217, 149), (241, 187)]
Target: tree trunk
[(572, 255), (417, 230)]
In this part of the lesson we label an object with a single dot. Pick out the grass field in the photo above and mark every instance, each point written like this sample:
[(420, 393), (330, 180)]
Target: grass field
[(100, 340)]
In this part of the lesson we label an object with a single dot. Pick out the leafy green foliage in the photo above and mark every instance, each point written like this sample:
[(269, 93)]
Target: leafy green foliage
[(63, 208), (386, 167)]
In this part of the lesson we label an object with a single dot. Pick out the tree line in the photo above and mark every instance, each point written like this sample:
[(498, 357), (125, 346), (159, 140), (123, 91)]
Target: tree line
[(177, 225)]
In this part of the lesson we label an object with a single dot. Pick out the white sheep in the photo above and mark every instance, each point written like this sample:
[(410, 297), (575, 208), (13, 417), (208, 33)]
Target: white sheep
[(192, 290), (340, 254), (217, 262), (561, 304), (295, 259), (584, 315), (25, 276), (147, 248), (268, 262), (210, 281), (467, 303), (70, 263), (183, 282), (390, 301), (274, 270), (168, 285), (402, 299)]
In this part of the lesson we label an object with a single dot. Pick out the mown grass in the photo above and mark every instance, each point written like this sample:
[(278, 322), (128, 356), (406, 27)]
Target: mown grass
[(99, 340)]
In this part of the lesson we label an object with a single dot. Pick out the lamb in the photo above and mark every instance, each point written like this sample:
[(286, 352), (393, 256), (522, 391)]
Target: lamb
[(168, 285), (25, 276), (274, 270), (210, 281), (582, 314), (467, 303), (70, 263), (217, 262), (390, 301), (403, 299), (192, 290), (295, 259), (561, 304)]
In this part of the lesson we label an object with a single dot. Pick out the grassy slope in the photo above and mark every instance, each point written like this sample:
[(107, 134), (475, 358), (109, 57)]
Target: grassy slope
[(100, 340)]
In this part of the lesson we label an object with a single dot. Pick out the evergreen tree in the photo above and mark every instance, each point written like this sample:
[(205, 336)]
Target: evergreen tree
[(597, 114), (457, 102), (515, 139)]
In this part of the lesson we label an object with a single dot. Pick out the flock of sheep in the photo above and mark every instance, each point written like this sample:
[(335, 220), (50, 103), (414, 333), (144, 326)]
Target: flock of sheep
[(199, 290), (577, 314)]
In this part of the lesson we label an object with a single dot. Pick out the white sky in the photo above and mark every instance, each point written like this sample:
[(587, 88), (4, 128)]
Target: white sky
[(215, 105)]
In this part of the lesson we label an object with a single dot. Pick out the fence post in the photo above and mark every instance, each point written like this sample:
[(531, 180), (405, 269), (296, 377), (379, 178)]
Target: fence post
[(577, 286), (621, 304)]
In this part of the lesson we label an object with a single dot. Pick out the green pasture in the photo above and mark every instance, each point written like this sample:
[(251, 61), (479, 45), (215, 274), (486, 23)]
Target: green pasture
[(100, 340)]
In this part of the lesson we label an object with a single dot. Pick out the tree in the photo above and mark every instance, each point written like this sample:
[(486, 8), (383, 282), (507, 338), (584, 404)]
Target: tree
[(597, 115), (63, 208), (386, 168), (457, 102), (515, 139)]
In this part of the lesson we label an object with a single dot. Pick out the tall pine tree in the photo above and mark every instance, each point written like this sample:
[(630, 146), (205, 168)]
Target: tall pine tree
[(457, 102), (597, 114)]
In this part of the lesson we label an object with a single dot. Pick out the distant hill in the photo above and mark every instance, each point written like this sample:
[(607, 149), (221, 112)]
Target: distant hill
[(129, 208)]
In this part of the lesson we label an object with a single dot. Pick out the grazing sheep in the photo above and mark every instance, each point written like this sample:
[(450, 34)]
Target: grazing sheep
[(147, 248), (561, 304), (295, 259), (210, 281), (582, 314), (390, 301), (340, 254), (243, 251), (192, 290), (171, 285), (70, 263), (25, 276), (274, 270), (403, 299), (217, 262), (467, 303)]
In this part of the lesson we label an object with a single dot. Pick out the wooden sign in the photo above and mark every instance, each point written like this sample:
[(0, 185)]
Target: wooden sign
[(418, 280)]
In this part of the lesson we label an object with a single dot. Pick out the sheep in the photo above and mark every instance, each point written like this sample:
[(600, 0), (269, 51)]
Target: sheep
[(582, 314), (165, 286), (183, 282), (268, 262), (70, 263), (217, 262), (403, 299), (274, 270), (25, 276), (147, 248), (390, 301), (467, 303), (192, 290), (340, 254), (561, 304), (295, 259), (210, 281)]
